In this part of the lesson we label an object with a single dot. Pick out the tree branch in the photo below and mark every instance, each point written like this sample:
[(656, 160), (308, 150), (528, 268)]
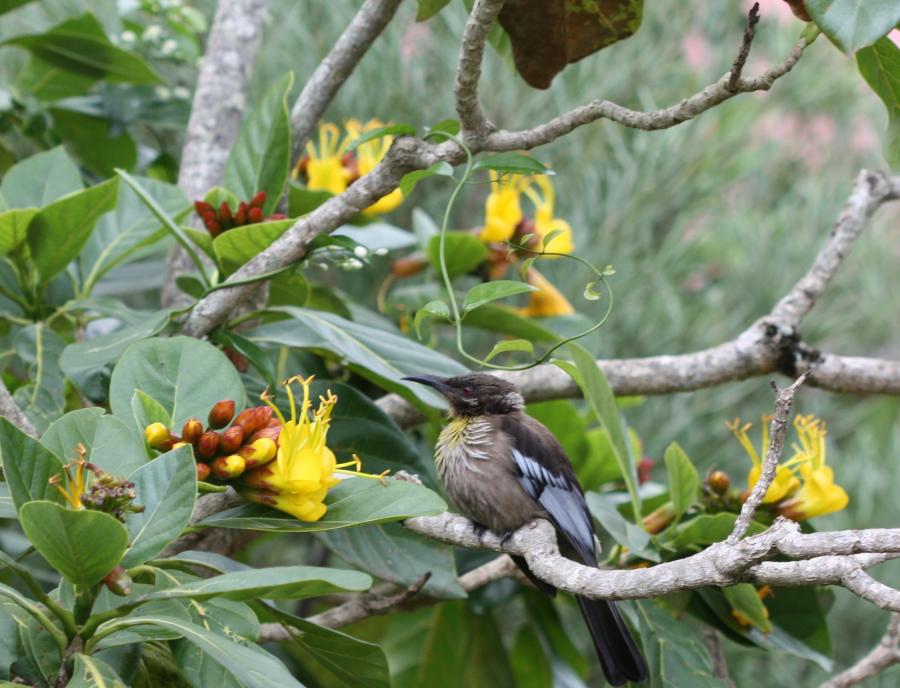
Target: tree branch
[(471, 118), (220, 99), (884, 655), (738, 66), (10, 410), (335, 69)]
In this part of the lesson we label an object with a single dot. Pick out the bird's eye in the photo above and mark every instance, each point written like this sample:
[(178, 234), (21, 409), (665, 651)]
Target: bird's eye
[(468, 390)]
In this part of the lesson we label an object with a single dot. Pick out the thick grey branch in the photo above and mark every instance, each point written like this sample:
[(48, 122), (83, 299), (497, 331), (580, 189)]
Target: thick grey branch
[(206, 506), (10, 410), (468, 73), (220, 98), (335, 69), (884, 655)]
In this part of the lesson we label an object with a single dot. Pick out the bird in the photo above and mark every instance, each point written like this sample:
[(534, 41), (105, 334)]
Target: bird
[(503, 469)]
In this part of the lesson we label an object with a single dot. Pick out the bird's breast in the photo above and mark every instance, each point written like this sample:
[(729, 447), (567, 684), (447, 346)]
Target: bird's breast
[(464, 443)]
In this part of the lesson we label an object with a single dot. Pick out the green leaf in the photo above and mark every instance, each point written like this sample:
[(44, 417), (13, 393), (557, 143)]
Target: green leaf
[(183, 374), (445, 126), (146, 410), (511, 163), (7, 506), (597, 392), (250, 666), (112, 445), (39, 180), (381, 132), (80, 46), (27, 466), (92, 672), (238, 245), (258, 358), (676, 655), (432, 309), (854, 24), (486, 292), (463, 253), (351, 502), (438, 169), (744, 600), (392, 553), (622, 531), (82, 545), (879, 65), (166, 488), (507, 321), (507, 345), (14, 227), (60, 230), (260, 159), (345, 660), (684, 482), (379, 355), (799, 613), (302, 200), (10, 5), (98, 143), (428, 8), (202, 239), (707, 529), (85, 361), (131, 226), (528, 660)]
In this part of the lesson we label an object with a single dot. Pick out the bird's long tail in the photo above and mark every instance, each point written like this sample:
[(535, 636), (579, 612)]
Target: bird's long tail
[(619, 656)]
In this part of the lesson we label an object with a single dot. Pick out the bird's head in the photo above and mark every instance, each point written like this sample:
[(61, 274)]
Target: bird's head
[(475, 394)]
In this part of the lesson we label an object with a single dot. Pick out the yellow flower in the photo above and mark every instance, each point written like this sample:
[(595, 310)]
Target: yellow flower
[(785, 481), (547, 301), (503, 208), (304, 468), (325, 168), (76, 485), (368, 155), (818, 495), (544, 222)]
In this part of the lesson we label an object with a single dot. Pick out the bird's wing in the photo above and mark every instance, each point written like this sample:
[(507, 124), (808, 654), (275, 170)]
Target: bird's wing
[(546, 474)]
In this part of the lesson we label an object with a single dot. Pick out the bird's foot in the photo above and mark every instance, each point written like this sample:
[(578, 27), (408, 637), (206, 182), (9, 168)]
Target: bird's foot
[(479, 529), (506, 538)]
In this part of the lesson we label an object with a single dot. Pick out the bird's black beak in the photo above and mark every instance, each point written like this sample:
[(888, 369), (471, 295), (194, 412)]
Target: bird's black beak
[(438, 383)]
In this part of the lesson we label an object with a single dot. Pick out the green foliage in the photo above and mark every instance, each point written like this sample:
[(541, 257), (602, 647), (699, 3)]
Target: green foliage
[(854, 24), (879, 65), (684, 483), (464, 253)]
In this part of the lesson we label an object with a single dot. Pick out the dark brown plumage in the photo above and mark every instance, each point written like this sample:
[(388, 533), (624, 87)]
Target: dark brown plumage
[(502, 469)]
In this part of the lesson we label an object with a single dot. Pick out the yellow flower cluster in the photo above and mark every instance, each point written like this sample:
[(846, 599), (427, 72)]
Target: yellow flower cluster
[(329, 165), (804, 485)]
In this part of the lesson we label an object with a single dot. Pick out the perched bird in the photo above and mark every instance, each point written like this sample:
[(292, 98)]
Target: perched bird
[(503, 469)]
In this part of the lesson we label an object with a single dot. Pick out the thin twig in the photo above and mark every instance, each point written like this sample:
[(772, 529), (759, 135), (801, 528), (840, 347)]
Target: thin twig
[(784, 401), (720, 666), (10, 410), (744, 52), (882, 656)]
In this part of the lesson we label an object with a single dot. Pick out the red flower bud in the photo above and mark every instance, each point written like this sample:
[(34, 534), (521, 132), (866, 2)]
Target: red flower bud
[(271, 432), (231, 439), (191, 431), (225, 216), (240, 217), (254, 215), (207, 445), (221, 413), (276, 216), (202, 471), (259, 200), (227, 467), (214, 228), (253, 419), (202, 207), (118, 582)]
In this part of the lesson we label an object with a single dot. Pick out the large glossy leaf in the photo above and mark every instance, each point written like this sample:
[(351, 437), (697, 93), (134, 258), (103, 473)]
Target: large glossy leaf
[(14, 227), (343, 660), (381, 356), (99, 144), (27, 466), (183, 374), (250, 667), (628, 534), (236, 246), (166, 488), (42, 396), (92, 672), (854, 24), (82, 545), (675, 654), (111, 445), (505, 320), (260, 159), (684, 481), (129, 227), (392, 553), (60, 230), (351, 502), (463, 252), (39, 180), (546, 35), (879, 65), (80, 46)]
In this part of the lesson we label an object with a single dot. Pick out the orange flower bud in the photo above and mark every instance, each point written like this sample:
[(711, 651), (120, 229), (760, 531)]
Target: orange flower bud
[(227, 467), (247, 421), (118, 582), (408, 266), (202, 471), (718, 482), (231, 439), (207, 445), (271, 432), (259, 452), (191, 430), (157, 435), (658, 520), (221, 414)]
